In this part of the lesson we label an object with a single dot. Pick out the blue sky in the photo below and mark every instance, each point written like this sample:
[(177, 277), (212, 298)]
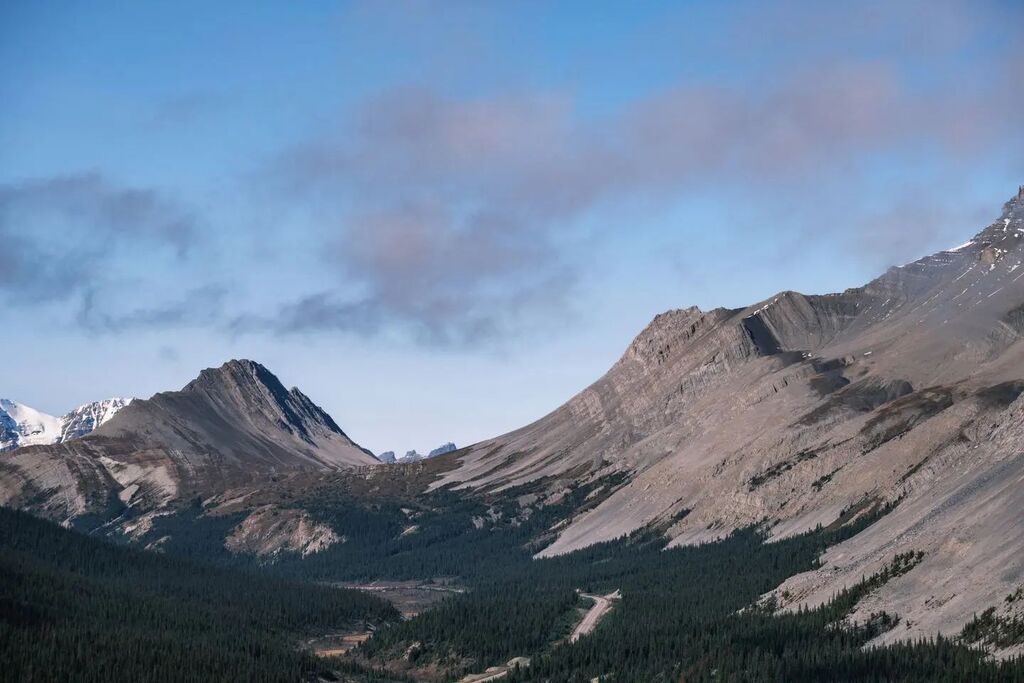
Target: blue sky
[(441, 220)]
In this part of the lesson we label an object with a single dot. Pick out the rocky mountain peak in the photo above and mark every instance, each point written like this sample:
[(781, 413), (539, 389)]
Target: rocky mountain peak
[(253, 389), (240, 374), (21, 425), (669, 332), (442, 449), (86, 418)]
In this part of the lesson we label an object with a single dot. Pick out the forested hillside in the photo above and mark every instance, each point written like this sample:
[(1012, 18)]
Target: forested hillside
[(71, 604), (76, 608), (687, 614)]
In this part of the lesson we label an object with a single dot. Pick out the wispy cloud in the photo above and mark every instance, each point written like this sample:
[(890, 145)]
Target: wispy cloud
[(199, 307), (447, 208), (460, 219)]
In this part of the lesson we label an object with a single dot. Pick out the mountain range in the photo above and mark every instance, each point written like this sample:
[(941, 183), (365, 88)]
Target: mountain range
[(232, 424), (901, 397), (21, 425), (415, 456)]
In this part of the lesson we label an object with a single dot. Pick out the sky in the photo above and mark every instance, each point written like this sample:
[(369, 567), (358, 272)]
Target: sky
[(443, 219)]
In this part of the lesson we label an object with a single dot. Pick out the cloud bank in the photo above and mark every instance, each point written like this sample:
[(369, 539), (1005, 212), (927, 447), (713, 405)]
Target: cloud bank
[(460, 216)]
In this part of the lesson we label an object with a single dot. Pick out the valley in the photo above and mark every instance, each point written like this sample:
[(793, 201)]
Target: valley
[(810, 487)]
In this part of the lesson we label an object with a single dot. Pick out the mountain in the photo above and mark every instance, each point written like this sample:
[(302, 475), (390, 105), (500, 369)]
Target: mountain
[(87, 418), (802, 409), (411, 456), (231, 425), (21, 425), (441, 450), (415, 456)]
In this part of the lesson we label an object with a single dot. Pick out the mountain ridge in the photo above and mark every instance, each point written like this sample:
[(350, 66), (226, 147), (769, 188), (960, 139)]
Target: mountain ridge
[(232, 424), (791, 411), (22, 425)]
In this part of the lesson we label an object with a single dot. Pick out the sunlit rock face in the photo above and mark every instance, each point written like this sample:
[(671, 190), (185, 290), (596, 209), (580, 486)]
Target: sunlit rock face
[(789, 411)]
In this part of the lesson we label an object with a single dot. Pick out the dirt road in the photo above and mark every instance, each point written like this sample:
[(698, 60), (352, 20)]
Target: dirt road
[(602, 603)]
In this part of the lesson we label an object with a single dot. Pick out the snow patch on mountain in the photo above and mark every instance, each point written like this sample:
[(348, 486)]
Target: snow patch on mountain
[(22, 425)]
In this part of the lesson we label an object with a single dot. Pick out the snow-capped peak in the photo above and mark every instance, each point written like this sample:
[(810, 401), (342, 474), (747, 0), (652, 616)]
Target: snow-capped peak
[(26, 426), (22, 425), (88, 417)]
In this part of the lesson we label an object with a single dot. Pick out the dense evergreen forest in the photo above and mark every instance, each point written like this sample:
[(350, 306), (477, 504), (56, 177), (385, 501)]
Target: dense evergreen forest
[(687, 614), (74, 608)]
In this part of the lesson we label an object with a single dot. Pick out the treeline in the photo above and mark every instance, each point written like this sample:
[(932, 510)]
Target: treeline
[(76, 608), (445, 542)]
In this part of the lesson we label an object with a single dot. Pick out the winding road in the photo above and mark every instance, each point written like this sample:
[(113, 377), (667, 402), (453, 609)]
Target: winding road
[(602, 603)]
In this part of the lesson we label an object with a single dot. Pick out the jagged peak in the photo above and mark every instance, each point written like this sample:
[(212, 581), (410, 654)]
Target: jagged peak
[(237, 373), (667, 320), (315, 411), (669, 330), (253, 382)]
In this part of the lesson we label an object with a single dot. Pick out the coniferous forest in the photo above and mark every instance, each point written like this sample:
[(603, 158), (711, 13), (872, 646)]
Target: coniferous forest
[(76, 608), (687, 614)]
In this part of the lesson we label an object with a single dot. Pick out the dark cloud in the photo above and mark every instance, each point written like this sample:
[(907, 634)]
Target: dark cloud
[(444, 283), (87, 207), (198, 307), (317, 312), (60, 233), (29, 273)]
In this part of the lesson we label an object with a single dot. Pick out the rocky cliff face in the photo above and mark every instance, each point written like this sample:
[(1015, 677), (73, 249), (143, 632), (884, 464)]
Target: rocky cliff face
[(794, 409), (232, 425)]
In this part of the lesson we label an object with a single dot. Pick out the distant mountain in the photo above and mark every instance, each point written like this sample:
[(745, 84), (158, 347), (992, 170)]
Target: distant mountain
[(21, 425), (415, 456), (441, 450), (233, 424), (85, 419), (411, 456)]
